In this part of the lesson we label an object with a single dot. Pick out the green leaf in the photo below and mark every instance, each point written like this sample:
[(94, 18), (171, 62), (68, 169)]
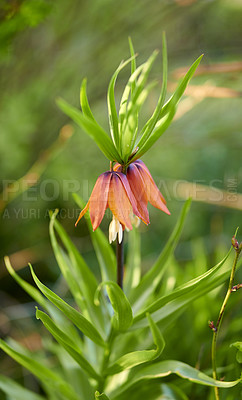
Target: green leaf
[(174, 99), (41, 300), (152, 278), (163, 125), (188, 288), (132, 359), (32, 291), (92, 128), (81, 322), (66, 268), (133, 262), (167, 112), (123, 317), (73, 374), (126, 93), (68, 344), (104, 252), (45, 375), (133, 63), (238, 345), (128, 127), (128, 139), (78, 275), (112, 111), (16, 391), (84, 101), (101, 396), (173, 392), (171, 306), (166, 368), (149, 126)]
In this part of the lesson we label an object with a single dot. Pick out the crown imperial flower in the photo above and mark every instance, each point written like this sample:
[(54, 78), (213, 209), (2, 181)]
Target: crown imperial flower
[(127, 196), (112, 191), (144, 189)]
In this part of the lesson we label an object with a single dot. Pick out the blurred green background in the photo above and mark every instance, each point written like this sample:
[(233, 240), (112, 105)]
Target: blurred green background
[(46, 49)]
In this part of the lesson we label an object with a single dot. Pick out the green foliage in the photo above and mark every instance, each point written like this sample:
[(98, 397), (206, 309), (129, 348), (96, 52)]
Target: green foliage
[(238, 345), (124, 123), (123, 316), (109, 341)]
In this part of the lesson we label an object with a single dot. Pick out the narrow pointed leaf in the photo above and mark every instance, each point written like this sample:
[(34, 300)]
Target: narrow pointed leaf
[(125, 96), (83, 274), (76, 317), (130, 360), (166, 368), (166, 113), (171, 307), (174, 99), (123, 316), (113, 116), (65, 267), (156, 134), (43, 373), (104, 252), (31, 290), (68, 344), (59, 318), (16, 391), (134, 106), (149, 126), (150, 281), (84, 101), (92, 128), (133, 63), (188, 287), (80, 278)]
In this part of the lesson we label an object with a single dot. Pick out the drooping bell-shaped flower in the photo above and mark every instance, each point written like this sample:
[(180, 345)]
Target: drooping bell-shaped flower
[(144, 189), (112, 191)]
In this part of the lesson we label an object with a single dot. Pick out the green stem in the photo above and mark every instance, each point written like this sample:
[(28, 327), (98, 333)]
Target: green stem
[(219, 321), (105, 360), (120, 262)]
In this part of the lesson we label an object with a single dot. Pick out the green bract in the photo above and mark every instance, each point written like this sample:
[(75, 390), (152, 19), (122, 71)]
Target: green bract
[(128, 142)]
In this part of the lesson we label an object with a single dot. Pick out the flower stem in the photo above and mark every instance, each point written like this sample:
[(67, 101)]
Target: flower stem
[(106, 356), (120, 262), (219, 321)]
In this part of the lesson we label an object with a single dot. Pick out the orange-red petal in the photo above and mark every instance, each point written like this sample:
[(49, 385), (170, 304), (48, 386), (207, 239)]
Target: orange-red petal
[(118, 201), (154, 196), (130, 194), (99, 199), (82, 212), (137, 186)]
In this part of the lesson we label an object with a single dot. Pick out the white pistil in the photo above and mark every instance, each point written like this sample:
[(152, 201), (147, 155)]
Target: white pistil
[(115, 228)]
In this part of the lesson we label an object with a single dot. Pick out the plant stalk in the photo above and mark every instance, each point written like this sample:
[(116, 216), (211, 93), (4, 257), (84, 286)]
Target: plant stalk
[(120, 262), (105, 361), (219, 321)]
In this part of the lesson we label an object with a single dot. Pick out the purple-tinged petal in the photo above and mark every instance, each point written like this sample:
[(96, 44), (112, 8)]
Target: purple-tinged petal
[(137, 186), (118, 201), (99, 199)]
